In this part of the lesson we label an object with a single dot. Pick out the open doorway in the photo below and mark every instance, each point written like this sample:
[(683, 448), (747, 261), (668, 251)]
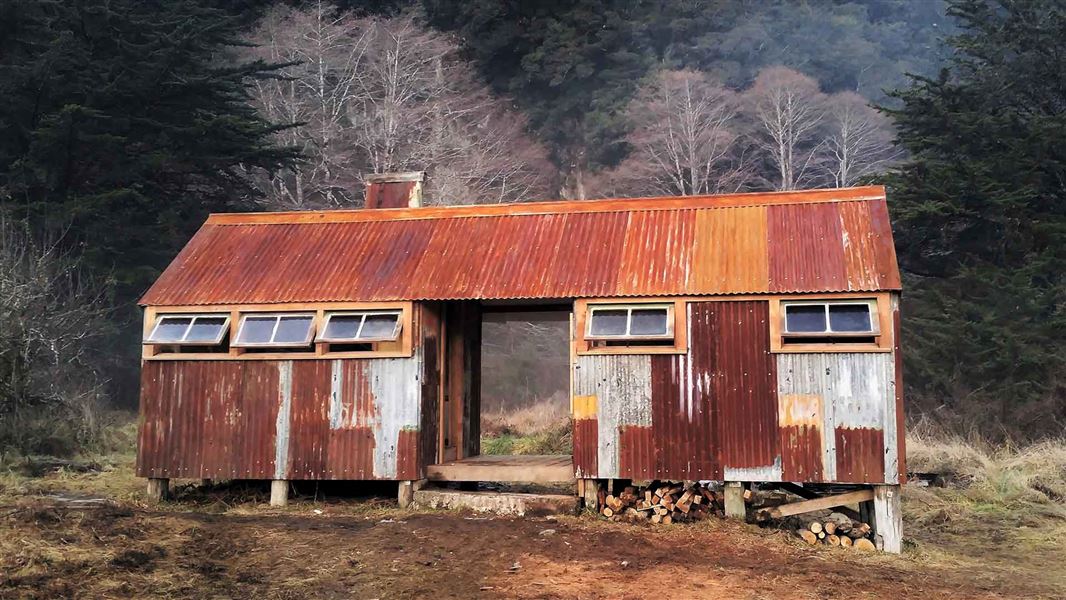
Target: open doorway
[(504, 394), (525, 380)]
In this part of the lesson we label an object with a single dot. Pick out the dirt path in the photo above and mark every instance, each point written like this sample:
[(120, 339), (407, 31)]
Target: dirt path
[(119, 551)]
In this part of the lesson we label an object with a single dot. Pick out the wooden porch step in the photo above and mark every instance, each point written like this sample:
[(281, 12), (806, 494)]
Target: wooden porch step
[(524, 469), (502, 503)]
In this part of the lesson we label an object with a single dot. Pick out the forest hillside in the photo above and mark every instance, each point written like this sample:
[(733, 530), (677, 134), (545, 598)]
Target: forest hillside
[(125, 122)]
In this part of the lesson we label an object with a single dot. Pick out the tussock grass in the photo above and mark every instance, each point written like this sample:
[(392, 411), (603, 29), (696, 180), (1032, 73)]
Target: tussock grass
[(540, 428)]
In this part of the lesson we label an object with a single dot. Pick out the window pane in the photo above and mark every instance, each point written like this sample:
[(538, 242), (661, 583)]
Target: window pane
[(608, 322), (805, 318), (206, 329), (293, 330), (379, 326), (850, 317), (648, 321), (170, 329), (343, 327), (256, 330)]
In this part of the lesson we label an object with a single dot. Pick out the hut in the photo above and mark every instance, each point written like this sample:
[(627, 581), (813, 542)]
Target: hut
[(745, 338)]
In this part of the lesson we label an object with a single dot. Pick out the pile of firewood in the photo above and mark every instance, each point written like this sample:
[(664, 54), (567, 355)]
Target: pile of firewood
[(662, 503), (837, 532)]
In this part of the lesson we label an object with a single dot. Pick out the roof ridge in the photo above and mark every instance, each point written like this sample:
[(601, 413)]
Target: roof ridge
[(599, 205)]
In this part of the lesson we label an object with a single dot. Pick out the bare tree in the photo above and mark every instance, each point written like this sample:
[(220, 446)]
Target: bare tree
[(325, 51), (788, 110), (374, 95), (49, 321), (858, 141), (685, 138)]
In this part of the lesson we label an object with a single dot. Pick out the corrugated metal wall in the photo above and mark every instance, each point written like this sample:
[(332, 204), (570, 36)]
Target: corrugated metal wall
[(300, 419), (730, 409)]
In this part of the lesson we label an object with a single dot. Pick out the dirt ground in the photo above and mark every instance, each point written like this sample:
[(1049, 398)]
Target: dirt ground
[(228, 544)]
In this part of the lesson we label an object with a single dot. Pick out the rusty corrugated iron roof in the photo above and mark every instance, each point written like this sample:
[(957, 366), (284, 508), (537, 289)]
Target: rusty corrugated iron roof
[(808, 241)]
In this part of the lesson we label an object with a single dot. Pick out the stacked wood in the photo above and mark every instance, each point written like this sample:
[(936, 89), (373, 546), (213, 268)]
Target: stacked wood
[(663, 503), (837, 532)]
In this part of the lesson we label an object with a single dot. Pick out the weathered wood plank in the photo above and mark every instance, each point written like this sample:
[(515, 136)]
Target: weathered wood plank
[(805, 506)]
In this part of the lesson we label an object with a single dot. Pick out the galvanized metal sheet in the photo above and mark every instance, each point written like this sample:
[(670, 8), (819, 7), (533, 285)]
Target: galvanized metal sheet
[(565, 250), (622, 387), (309, 419), (857, 391)]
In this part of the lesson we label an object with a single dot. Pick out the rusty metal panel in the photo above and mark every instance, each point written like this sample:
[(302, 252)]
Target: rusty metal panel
[(389, 194), (621, 386), (742, 376), (801, 421), (698, 246), (857, 391), (206, 419), (312, 419), (731, 250), (637, 452), (861, 246), (656, 254), (860, 455), (900, 431), (586, 448), (806, 250), (683, 414)]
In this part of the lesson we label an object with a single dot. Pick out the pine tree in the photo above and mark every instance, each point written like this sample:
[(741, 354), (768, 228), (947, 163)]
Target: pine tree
[(123, 123), (980, 215)]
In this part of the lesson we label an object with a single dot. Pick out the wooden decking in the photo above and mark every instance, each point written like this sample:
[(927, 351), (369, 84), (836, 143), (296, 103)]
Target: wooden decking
[(526, 469)]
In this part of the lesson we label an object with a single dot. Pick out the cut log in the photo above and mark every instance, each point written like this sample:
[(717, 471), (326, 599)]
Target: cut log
[(830, 527), (815, 527), (607, 512), (821, 535), (667, 520), (656, 518), (846, 542), (808, 537), (865, 545), (832, 540)]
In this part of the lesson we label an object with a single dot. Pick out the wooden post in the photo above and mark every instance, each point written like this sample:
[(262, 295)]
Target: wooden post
[(734, 500), (279, 492), (158, 489), (405, 495), (590, 491), (888, 519)]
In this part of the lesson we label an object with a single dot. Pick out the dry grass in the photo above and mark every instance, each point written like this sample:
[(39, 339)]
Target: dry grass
[(540, 428)]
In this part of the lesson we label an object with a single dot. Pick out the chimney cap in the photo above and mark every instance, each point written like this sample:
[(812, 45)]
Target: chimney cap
[(419, 176)]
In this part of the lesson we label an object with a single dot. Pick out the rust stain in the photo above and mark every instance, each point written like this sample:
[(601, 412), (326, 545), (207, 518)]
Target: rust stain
[(668, 246), (682, 423), (860, 455), (350, 453)]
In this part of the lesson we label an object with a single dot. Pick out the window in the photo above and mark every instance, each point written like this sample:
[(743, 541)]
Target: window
[(845, 318), (275, 330), (361, 327), (189, 330), (638, 322)]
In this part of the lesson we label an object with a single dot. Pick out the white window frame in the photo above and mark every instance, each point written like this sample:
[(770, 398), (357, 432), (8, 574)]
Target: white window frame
[(397, 330), (236, 343), (629, 308), (871, 303), (193, 317)]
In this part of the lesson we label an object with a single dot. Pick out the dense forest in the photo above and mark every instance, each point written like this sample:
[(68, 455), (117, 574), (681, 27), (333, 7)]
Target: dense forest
[(125, 122)]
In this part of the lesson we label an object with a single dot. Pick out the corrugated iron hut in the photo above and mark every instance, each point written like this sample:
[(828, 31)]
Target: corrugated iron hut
[(739, 338)]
